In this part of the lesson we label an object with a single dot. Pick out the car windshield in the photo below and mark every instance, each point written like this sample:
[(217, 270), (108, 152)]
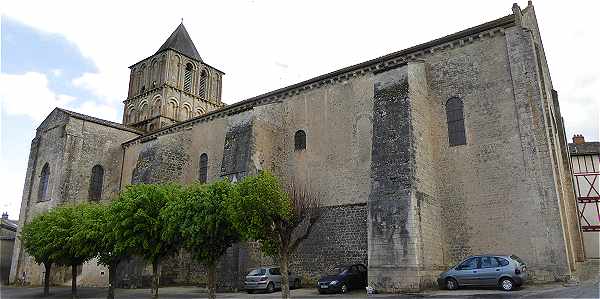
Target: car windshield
[(257, 272), (518, 259), (338, 271)]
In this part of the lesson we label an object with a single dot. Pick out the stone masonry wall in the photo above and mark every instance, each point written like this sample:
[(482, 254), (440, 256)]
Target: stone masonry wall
[(426, 202), (392, 251), (339, 238), (71, 146)]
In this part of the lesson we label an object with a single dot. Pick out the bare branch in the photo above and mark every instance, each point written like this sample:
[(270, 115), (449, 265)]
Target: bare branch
[(306, 209)]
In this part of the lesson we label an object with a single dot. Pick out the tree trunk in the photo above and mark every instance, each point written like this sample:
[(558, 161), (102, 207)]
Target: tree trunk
[(111, 281), (285, 281), (155, 278), (73, 281), (212, 281), (47, 267)]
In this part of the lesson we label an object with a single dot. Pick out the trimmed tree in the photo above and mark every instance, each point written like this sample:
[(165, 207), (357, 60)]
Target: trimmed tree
[(64, 230), (94, 232), (280, 221), (139, 227), (40, 245), (200, 219), (50, 238)]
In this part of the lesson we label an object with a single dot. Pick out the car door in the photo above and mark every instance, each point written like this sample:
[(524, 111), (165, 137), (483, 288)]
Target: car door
[(354, 278), (490, 269), (275, 277), (467, 273), (362, 276)]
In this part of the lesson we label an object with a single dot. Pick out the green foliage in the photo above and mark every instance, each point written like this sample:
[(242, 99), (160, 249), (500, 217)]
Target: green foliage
[(200, 219), (94, 233), (137, 224), (52, 236), (260, 205), (37, 242)]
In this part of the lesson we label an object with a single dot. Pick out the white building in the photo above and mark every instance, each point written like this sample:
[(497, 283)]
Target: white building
[(585, 161)]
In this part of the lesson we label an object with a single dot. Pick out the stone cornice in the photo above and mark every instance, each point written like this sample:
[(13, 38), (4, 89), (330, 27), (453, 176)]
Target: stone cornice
[(167, 85), (399, 58)]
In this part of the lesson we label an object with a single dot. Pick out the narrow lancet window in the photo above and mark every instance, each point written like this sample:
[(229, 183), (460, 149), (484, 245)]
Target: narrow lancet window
[(203, 168), (96, 182), (456, 122), (43, 187)]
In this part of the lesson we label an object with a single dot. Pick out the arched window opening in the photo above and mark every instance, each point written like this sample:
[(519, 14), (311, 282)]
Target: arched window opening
[(300, 140), (143, 75), (187, 83), (131, 115), (202, 87), (172, 109), (156, 107), (43, 187), (185, 112), (203, 168), (96, 182), (456, 122), (143, 112)]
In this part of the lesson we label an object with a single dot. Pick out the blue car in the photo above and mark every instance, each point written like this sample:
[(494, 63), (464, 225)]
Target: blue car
[(344, 278), (505, 271)]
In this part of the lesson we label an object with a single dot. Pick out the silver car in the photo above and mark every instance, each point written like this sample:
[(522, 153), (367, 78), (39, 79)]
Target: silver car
[(268, 279), (505, 271)]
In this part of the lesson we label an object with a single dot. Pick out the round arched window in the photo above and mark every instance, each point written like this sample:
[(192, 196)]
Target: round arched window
[(300, 140)]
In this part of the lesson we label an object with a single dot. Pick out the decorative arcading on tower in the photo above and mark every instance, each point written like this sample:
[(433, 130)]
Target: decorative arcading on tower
[(171, 86)]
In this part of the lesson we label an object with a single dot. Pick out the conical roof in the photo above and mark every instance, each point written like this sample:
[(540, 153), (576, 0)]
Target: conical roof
[(181, 42)]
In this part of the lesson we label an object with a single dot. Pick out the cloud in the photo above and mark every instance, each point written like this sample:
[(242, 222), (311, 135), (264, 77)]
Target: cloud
[(108, 85), (29, 95), (57, 72), (580, 106), (102, 111)]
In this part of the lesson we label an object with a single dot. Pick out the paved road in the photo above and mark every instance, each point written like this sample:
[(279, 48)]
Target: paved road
[(590, 289)]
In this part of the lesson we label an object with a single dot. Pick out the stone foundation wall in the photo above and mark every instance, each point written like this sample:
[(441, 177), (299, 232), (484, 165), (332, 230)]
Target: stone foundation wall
[(339, 238)]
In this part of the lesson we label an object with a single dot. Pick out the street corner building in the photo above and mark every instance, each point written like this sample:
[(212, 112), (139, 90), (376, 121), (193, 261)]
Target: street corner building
[(423, 156)]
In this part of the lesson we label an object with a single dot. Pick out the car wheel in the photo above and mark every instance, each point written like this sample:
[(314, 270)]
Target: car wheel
[(270, 288), (451, 284), (343, 288), (506, 284)]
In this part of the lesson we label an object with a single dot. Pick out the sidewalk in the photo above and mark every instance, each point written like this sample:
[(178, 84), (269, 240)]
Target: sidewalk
[(589, 289)]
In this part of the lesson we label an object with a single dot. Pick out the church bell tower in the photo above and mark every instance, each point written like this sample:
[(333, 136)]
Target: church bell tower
[(171, 86)]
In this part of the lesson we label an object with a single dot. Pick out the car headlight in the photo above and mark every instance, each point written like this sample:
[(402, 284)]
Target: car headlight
[(333, 282)]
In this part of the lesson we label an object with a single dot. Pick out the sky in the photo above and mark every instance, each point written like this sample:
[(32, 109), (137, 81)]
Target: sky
[(75, 54)]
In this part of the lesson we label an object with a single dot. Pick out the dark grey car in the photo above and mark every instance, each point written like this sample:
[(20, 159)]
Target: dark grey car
[(505, 271)]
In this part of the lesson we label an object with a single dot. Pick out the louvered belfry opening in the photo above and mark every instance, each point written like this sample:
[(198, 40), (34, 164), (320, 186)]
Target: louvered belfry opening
[(202, 86), (187, 83)]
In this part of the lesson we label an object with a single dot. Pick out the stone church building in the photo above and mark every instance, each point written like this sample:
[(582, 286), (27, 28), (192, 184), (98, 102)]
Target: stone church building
[(423, 156)]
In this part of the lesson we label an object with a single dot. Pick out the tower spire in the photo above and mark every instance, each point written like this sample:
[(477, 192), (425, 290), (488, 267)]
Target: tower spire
[(181, 42)]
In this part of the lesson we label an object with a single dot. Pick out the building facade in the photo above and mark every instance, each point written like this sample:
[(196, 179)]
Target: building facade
[(423, 157), (585, 162), (8, 232)]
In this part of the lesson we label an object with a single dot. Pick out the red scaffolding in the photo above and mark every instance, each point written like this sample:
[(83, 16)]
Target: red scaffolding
[(587, 182)]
